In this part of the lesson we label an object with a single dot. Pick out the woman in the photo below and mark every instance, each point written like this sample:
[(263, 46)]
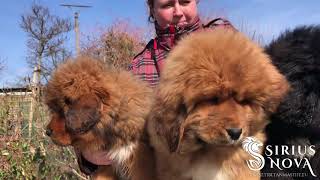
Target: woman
[(172, 19)]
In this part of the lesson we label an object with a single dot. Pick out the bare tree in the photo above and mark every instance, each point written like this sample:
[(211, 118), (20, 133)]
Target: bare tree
[(46, 37)]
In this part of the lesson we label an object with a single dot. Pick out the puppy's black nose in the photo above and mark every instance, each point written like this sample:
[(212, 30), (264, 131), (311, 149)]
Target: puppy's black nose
[(234, 133), (49, 132)]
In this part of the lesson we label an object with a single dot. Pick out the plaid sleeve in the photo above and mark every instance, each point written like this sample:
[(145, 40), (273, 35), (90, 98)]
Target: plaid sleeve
[(143, 67)]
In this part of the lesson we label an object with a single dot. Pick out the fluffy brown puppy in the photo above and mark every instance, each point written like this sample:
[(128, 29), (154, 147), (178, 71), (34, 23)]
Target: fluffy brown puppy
[(217, 88), (101, 112)]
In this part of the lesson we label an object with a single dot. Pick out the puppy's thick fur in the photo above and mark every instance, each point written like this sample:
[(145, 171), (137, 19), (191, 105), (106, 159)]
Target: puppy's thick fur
[(296, 53), (217, 88), (101, 112)]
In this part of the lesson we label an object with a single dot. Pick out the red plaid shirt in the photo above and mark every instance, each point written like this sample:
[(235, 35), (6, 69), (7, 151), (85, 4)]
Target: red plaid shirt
[(147, 65)]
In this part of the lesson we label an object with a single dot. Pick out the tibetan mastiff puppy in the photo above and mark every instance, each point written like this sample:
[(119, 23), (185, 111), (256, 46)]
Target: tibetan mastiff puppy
[(218, 88), (101, 112), (296, 124)]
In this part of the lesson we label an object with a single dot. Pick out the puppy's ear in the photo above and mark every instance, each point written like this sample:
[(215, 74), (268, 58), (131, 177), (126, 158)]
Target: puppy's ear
[(180, 133), (168, 113), (169, 120), (103, 94), (189, 140), (173, 136), (83, 114)]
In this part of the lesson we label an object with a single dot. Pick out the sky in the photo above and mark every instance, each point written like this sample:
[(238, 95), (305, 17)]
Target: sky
[(267, 18)]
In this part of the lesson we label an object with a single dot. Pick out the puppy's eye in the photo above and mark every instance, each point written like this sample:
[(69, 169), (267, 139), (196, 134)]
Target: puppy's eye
[(200, 141), (183, 108), (214, 100), (245, 102), (67, 101)]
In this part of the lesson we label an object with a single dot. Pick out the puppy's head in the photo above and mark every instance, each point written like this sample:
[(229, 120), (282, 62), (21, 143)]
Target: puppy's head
[(77, 94), (217, 88), (83, 102)]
